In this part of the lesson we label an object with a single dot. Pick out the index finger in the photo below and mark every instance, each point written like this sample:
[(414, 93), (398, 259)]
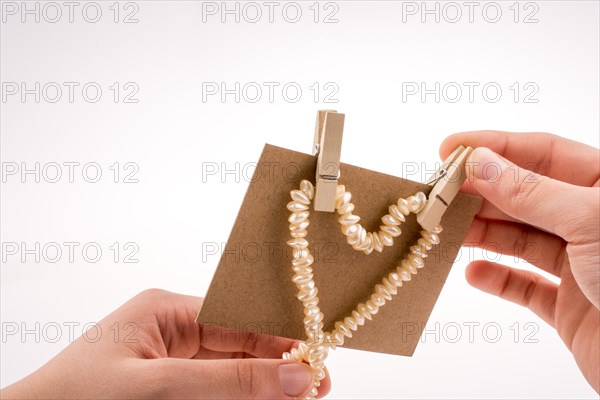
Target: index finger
[(550, 155), (259, 345)]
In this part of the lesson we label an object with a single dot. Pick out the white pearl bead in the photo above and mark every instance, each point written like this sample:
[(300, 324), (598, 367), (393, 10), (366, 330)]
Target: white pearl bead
[(370, 243), (350, 230), (343, 200), (422, 199), (372, 307), (430, 237), (424, 245), (387, 219), (395, 278), (416, 250), (385, 238), (339, 338), (299, 279), (299, 234), (404, 274), (403, 206), (297, 217), (377, 246), (306, 286), (340, 327), (350, 323), (299, 243), (416, 261), (295, 206), (294, 354), (394, 231), (396, 213), (306, 295), (390, 286), (347, 209), (318, 373), (377, 299), (300, 226), (359, 319), (308, 188), (382, 291), (303, 262), (330, 341), (413, 204), (314, 333), (348, 219), (300, 197), (311, 310), (359, 237), (303, 270), (365, 243), (417, 202), (300, 253), (354, 239), (311, 303), (339, 191), (437, 230), (407, 265), (364, 312), (313, 319)]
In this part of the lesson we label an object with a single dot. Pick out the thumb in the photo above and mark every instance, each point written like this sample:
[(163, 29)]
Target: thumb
[(251, 378), (546, 203)]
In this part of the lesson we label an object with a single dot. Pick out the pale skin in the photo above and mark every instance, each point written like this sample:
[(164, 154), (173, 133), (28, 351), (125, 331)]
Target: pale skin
[(168, 357), (556, 209)]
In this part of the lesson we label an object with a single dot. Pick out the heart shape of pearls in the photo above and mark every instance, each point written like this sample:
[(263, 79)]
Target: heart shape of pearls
[(315, 350)]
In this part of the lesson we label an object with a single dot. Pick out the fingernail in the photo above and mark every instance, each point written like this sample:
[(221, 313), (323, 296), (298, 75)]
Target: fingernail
[(295, 379), (484, 164)]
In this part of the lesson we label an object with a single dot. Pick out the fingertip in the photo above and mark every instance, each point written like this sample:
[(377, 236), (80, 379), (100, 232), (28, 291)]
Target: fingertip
[(480, 274), (449, 144)]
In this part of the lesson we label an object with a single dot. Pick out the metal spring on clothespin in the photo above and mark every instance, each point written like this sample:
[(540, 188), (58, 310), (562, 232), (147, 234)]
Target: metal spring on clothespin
[(447, 182), (327, 147)]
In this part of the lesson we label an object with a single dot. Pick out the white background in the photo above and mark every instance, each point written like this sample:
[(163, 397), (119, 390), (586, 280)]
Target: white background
[(172, 132)]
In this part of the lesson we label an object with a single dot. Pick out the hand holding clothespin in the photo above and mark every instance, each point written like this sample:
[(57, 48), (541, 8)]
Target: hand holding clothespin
[(447, 182)]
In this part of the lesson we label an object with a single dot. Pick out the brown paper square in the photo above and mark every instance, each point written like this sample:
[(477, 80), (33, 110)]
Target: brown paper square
[(252, 291)]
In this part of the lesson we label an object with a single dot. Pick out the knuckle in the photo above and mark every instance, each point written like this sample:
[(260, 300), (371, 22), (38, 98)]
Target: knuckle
[(151, 293), (582, 217), (246, 379), (529, 291), (521, 243), (250, 341), (521, 193)]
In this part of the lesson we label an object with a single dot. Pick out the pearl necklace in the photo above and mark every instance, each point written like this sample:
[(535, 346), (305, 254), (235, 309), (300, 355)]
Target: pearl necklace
[(315, 350)]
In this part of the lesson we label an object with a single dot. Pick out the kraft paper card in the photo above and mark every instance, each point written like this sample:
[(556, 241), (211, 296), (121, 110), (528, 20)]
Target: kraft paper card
[(252, 288)]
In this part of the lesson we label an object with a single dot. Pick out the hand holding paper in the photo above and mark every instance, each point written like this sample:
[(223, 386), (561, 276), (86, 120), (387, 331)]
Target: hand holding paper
[(151, 347)]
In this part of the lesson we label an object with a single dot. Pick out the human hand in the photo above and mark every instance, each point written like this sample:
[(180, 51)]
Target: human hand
[(161, 352), (554, 211)]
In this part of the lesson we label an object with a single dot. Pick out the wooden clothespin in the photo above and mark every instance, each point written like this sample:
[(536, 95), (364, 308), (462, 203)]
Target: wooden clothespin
[(447, 182), (327, 148)]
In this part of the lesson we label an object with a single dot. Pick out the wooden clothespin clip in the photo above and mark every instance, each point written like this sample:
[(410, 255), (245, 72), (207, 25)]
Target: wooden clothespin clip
[(447, 182), (327, 148)]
